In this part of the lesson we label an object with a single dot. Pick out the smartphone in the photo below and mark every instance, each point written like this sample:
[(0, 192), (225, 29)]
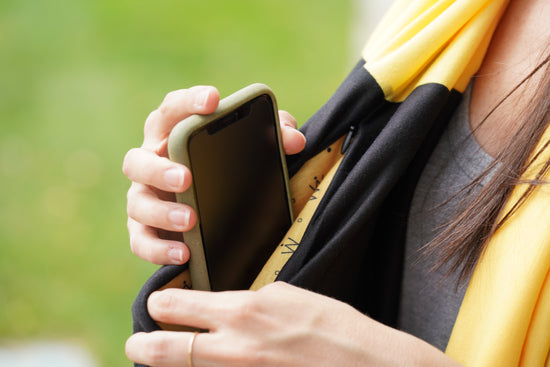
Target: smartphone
[(240, 189)]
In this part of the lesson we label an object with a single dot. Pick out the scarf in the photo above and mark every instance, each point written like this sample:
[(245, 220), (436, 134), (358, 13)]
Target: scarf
[(353, 184)]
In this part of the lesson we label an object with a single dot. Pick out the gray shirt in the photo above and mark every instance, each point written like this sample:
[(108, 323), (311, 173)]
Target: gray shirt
[(429, 300)]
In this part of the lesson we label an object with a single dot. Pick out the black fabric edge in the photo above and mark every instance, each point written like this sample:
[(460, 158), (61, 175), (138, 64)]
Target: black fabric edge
[(354, 99), (310, 266), (142, 321)]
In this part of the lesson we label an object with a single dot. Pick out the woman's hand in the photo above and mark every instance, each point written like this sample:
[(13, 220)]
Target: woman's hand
[(155, 220), (279, 325)]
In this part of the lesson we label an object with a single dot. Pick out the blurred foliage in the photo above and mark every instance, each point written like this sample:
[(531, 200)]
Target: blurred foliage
[(77, 80)]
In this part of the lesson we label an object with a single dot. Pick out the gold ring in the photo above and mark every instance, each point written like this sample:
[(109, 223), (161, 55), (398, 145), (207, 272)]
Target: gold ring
[(190, 349)]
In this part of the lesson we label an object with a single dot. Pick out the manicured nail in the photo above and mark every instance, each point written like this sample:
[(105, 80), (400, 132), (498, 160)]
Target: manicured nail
[(180, 218), (176, 254), (201, 99), (174, 177)]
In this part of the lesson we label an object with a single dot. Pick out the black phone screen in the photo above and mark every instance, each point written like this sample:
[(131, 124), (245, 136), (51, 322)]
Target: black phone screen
[(240, 193)]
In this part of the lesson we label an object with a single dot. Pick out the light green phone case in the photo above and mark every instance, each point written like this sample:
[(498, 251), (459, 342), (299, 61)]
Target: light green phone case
[(178, 152)]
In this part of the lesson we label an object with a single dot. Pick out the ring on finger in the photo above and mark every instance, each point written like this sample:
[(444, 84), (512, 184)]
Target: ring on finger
[(190, 349)]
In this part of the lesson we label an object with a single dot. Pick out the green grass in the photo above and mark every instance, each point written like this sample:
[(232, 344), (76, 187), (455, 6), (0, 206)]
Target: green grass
[(77, 80)]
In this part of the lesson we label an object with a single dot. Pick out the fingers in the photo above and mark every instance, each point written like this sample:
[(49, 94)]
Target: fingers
[(182, 349), (148, 207), (199, 309), (293, 140), (146, 167), (146, 244), (241, 325), (160, 348), (155, 178), (177, 105), (145, 207)]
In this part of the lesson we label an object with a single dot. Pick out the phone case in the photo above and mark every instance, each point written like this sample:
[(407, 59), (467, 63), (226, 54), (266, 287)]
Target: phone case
[(178, 152)]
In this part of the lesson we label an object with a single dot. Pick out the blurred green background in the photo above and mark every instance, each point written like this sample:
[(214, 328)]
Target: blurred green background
[(77, 80)]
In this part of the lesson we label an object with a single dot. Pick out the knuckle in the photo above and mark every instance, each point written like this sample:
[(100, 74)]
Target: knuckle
[(134, 244), (247, 308), (131, 206), (150, 254), (273, 292), (131, 192), (275, 287), (170, 95), (162, 304), (130, 225), (249, 353), (142, 244), (268, 288), (150, 122), (137, 240), (139, 202), (157, 349), (127, 162), (167, 107)]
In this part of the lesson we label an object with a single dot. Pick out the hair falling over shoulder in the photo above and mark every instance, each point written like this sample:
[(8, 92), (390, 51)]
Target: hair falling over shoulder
[(464, 238)]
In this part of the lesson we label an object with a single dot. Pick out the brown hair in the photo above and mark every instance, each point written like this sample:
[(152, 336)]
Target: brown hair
[(464, 239)]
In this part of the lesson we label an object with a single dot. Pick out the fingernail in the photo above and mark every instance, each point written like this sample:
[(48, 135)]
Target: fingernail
[(176, 254), (179, 218), (174, 177), (201, 99)]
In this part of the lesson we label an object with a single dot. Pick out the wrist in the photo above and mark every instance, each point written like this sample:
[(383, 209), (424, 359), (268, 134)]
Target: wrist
[(397, 348)]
